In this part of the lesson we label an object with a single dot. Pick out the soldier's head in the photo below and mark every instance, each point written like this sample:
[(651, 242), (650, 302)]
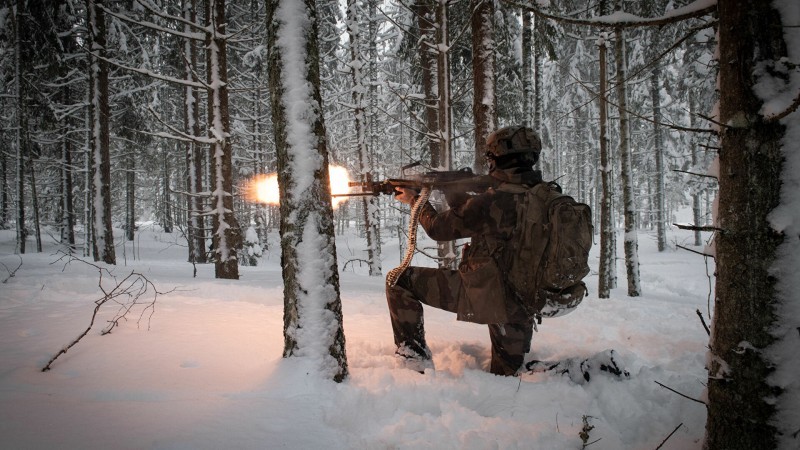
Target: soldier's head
[(511, 147)]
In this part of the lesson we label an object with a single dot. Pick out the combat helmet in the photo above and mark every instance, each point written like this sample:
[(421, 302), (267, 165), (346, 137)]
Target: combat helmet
[(514, 139)]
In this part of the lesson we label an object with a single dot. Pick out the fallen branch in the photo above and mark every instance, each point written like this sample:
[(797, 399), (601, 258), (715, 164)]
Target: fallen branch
[(128, 294), (11, 273), (682, 395), (670, 435)]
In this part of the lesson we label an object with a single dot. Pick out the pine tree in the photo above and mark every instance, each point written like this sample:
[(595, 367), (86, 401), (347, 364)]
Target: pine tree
[(742, 401)]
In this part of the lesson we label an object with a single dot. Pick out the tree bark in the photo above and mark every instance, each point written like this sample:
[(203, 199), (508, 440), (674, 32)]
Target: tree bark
[(606, 269), (358, 64), (484, 100), (630, 243), (227, 235), (658, 147), (102, 231), (426, 20), (741, 401)]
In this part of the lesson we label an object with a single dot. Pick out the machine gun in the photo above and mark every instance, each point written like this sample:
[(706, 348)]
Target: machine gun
[(454, 182)]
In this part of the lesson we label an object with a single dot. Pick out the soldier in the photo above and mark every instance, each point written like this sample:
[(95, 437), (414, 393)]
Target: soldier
[(477, 292)]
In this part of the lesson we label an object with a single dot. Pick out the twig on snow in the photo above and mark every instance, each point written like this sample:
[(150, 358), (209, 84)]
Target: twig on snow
[(128, 294), (670, 435), (11, 273)]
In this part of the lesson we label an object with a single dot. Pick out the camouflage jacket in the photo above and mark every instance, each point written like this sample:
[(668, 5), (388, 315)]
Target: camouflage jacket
[(488, 219)]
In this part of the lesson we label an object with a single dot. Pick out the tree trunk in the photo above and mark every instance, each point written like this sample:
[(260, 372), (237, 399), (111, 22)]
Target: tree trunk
[(373, 208), (166, 208), (527, 66), (444, 159), (631, 243), (312, 304), (130, 195), (103, 233), (697, 193), (606, 270), (37, 230), (195, 229), (226, 232), (742, 403), (484, 101), (67, 211), (21, 134), (358, 64), (658, 146), (426, 19)]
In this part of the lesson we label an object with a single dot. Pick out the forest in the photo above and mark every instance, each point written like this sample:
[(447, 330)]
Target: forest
[(382, 85), (117, 112)]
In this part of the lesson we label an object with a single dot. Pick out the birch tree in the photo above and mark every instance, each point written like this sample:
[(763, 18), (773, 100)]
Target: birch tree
[(312, 304)]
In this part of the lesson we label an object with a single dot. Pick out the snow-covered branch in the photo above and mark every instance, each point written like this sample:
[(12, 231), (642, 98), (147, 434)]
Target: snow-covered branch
[(621, 19)]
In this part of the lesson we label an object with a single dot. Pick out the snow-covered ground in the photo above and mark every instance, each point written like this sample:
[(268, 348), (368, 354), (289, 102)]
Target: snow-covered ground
[(205, 371)]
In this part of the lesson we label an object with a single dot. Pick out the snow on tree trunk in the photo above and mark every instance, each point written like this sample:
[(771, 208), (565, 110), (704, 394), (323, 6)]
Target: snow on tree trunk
[(426, 45), (527, 65), (358, 66), (749, 370), (658, 140), (312, 304), (631, 242), (99, 139), (484, 101), (225, 229), (443, 160), (606, 270), (373, 209), (195, 234)]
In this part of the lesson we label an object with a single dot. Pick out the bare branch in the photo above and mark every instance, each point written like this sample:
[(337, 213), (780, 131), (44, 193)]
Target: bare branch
[(703, 321), (156, 27), (792, 108), (152, 74), (670, 435), (696, 227), (131, 289), (695, 174), (695, 251), (11, 273), (682, 395)]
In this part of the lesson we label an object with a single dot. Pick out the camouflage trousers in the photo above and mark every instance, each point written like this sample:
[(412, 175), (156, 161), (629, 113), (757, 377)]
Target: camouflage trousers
[(443, 289)]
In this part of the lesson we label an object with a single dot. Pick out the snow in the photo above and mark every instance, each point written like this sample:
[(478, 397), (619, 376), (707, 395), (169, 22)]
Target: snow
[(206, 370), (778, 94)]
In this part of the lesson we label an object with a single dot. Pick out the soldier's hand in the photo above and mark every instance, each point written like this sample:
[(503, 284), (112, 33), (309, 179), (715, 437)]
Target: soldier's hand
[(405, 195)]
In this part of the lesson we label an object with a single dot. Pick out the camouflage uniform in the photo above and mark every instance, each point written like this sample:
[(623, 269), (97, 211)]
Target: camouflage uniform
[(477, 291)]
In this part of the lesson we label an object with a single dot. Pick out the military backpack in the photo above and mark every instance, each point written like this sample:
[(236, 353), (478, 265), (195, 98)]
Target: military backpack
[(550, 256)]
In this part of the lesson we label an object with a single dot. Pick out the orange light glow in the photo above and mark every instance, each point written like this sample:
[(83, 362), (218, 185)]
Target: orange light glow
[(264, 188)]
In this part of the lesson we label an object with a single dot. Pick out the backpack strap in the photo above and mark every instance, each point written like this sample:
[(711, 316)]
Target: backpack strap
[(513, 188)]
